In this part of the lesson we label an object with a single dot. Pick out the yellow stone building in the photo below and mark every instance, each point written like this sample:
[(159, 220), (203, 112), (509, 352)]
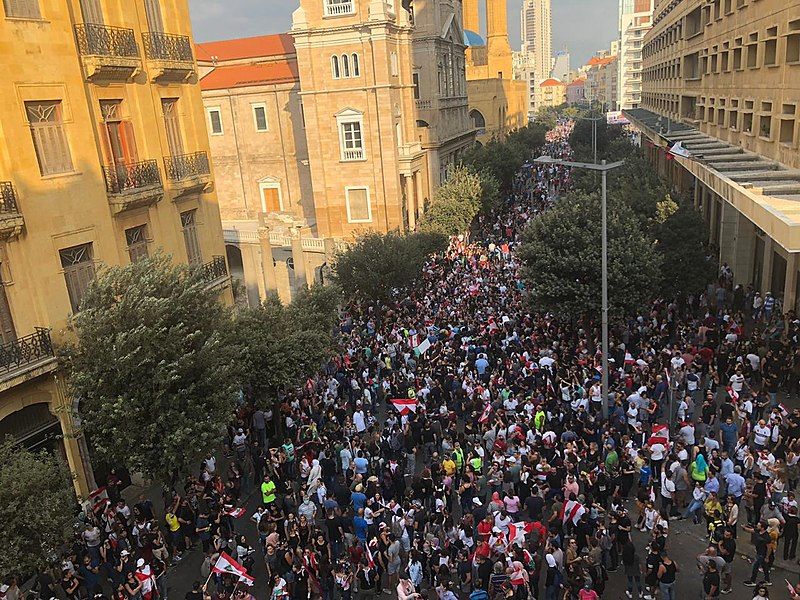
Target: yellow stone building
[(345, 125), (104, 160), (552, 92), (497, 102)]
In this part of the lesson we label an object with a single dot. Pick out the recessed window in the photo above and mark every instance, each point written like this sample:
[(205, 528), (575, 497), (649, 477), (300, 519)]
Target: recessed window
[(335, 73), (77, 263), (358, 205), (214, 120), (136, 240), (22, 9), (787, 131), (394, 64), (747, 122), (765, 126), (352, 143), (191, 239), (260, 116)]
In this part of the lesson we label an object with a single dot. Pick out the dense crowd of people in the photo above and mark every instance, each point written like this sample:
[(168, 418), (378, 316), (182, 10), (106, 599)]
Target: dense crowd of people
[(455, 448)]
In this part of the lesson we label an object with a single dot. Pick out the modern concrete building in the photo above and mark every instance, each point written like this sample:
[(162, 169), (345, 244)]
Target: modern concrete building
[(723, 78), (497, 102), (536, 29), (104, 161), (635, 20), (601, 81), (561, 68)]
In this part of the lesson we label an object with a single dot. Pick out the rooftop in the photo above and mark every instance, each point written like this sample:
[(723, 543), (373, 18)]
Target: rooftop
[(260, 46), (233, 76), (473, 39), (601, 61), (550, 83)]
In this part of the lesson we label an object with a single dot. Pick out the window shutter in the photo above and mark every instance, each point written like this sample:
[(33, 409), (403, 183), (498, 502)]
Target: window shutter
[(22, 9), (153, 11), (6, 322), (92, 12), (128, 142)]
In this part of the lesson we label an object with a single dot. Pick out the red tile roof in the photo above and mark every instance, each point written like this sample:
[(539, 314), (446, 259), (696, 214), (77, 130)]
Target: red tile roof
[(550, 82), (233, 76), (577, 82), (251, 47), (598, 61)]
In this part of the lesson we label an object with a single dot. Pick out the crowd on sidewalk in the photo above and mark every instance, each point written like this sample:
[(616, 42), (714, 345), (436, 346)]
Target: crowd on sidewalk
[(493, 473)]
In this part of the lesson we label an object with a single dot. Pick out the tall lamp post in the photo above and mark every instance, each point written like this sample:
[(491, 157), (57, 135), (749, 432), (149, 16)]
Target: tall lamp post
[(604, 168)]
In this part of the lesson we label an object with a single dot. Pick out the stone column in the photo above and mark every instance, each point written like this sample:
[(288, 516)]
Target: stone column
[(420, 193), (472, 20), (298, 259), (729, 224), (411, 201), (74, 442), (745, 247), (267, 264), (766, 273), (697, 185), (790, 287)]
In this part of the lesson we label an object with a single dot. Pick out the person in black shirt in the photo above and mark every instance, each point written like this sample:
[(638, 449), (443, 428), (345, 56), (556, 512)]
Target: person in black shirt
[(711, 581), (790, 534), (726, 548), (760, 539), (196, 592), (367, 578)]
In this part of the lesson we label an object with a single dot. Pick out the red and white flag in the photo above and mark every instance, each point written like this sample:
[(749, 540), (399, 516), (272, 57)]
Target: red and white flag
[(659, 435), (247, 579), (668, 378), (405, 405), (145, 576), (225, 565), (517, 533), (486, 412), (98, 499), (572, 510), (235, 512), (733, 393), (370, 558), (783, 409)]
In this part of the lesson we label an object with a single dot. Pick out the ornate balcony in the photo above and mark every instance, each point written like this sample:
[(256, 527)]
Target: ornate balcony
[(26, 357), (107, 53), (215, 272), (188, 173), (133, 185), (169, 56), (11, 221), (338, 8)]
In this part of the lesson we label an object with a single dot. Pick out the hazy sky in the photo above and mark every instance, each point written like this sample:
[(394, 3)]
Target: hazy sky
[(583, 25)]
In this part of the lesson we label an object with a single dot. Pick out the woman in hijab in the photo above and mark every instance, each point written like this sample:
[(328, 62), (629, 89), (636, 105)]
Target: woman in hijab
[(698, 470), (314, 476)]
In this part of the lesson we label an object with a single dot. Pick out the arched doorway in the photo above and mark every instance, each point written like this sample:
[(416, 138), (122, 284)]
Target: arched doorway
[(236, 266), (478, 120), (35, 428)]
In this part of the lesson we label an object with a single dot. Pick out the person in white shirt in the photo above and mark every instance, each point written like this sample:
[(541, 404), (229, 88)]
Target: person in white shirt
[(737, 381), (687, 433), (667, 491), (761, 434)]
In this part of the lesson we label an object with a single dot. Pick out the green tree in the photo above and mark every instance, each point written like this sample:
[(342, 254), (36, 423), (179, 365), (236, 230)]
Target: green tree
[(561, 259), (682, 240), (37, 503), (455, 203), (281, 345), (152, 366), (378, 263)]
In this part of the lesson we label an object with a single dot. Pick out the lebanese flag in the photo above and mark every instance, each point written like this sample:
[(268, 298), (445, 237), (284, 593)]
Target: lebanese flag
[(486, 412), (370, 559), (659, 435), (572, 510), (99, 499), (405, 405), (145, 576), (669, 379), (629, 359), (225, 565), (783, 409), (517, 532), (247, 579), (733, 393), (235, 512)]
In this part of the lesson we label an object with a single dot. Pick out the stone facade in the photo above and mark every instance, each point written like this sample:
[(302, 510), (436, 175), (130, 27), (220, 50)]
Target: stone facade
[(105, 160)]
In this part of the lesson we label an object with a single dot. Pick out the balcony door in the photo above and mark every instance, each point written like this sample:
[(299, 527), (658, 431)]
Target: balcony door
[(92, 11), (7, 332), (118, 135), (152, 9), (172, 125)]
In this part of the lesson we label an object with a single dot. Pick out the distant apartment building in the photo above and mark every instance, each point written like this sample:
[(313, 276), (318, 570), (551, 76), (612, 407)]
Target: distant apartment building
[(561, 68), (635, 20), (105, 161), (536, 28), (552, 92), (723, 78), (576, 91), (601, 82)]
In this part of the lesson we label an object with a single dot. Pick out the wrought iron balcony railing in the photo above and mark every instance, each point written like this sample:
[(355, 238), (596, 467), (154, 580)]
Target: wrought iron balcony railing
[(26, 351), (214, 269), (8, 198), (102, 40), (185, 166), (132, 177), (165, 46)]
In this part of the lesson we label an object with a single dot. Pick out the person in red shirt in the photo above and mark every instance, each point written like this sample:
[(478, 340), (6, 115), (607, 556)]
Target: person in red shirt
[(485, 528)]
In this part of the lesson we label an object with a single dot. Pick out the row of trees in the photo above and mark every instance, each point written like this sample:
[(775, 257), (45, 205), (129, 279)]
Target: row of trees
[(657, 244), (159, 366)]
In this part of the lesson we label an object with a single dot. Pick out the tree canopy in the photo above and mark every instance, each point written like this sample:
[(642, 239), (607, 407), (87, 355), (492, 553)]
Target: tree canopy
[(378, 263), (281, 345), (153, 366), (455, 204), (561, 259), (37, 504)]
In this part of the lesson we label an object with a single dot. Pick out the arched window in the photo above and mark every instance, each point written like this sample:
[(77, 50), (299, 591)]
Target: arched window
[(477, 119), (335, 66), (355, 66), (345, 66)]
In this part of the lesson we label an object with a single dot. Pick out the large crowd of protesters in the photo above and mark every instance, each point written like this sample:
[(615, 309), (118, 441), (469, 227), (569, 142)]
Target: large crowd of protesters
[(455, 449)]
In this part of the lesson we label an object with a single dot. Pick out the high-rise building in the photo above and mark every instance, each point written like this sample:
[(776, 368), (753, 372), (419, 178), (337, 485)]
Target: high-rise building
[(561, 66), (635, 20), (722, 79), (105, 160), (323, 133), (537, 47)]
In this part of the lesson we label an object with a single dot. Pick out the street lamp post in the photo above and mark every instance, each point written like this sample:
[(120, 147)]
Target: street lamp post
[(604, 168)]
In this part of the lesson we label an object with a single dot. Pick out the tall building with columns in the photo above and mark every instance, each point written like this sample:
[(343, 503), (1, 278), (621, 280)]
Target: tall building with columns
[(497, 102), (346, 124)]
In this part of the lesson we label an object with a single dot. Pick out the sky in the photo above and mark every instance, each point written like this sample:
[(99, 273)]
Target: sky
[(584, 26)]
